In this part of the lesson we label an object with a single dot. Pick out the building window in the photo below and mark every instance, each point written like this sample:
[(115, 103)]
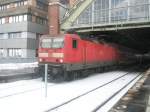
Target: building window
[(2, 53), (25, 17), (42, 6), (15, 53), (15, 4), (10, 19), (29, 18), (21, 3), (3, 20), (14, 35), (40, 20), (3, 7), (26, 2), (18, 18), (8, 6), (2, 36)]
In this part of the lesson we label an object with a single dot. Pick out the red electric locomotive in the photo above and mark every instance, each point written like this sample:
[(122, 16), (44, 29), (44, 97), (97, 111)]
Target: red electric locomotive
[(69, 56)]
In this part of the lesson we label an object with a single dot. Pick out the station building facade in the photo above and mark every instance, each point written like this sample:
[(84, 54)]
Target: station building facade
[(22, 22)]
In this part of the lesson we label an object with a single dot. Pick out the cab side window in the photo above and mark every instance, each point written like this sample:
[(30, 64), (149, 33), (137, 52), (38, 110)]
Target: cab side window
[(74, 43)]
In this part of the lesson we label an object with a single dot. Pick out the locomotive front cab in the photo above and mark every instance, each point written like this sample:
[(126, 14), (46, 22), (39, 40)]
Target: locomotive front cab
[(51, 50), (51, 53), (61, 54)]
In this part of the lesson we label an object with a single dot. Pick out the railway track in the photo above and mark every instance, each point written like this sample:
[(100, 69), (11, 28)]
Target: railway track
[(27, 88), (61, 97), (16, 89), (115, 94), (75, 99)]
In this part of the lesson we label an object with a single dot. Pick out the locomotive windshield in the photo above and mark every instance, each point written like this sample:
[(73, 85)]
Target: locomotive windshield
[(46, 43), (52, 43), (57, 43)]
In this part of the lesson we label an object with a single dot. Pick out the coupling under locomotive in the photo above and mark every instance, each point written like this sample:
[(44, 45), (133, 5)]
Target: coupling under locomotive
[(69, 56)]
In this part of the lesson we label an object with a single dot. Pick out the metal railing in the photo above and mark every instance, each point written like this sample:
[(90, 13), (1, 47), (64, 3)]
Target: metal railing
[(71, 10)]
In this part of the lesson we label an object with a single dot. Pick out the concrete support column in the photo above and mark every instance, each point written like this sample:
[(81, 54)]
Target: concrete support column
[(110, 11), (129, 4), (92, 19), (53, 17)]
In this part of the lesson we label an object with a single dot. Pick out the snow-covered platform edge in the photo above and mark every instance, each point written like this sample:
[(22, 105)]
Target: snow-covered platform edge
[(15, 66)]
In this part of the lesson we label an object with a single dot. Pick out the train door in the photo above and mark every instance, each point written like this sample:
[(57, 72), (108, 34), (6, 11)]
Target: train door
[(84, 52), (76, 50)]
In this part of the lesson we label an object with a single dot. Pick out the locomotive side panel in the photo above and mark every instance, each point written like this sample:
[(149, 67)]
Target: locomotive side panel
[(82, 54), (73, 49), (99, 55), (74, 53)]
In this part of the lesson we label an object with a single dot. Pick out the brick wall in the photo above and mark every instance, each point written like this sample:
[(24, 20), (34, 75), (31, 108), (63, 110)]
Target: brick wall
[(53, 16)]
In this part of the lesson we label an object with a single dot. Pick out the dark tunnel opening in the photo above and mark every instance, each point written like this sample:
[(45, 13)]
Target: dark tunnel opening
[(135, 42), (137, 39)]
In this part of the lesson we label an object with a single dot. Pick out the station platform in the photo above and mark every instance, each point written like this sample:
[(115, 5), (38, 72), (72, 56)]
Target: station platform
[(17, 71), (14, 75)]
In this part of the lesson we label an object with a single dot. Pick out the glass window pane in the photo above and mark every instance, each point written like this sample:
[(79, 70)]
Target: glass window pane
[(3, 20), (25, 17), (10, 19), (74, 44), (25, 2), (20, 18), (17, 18)]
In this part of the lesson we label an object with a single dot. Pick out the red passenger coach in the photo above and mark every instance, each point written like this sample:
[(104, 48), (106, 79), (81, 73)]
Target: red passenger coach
[(69, 56)]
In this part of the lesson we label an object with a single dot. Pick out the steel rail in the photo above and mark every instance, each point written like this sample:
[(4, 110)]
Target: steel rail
[(64, 103), (111, 97)]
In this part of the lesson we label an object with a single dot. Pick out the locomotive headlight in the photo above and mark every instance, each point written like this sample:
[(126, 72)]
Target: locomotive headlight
[(40, 60), (61, 60), (57, 55)]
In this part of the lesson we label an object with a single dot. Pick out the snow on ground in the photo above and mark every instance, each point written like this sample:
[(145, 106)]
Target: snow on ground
[(18, 65), (91, 101), (114, 100), (28, 95)]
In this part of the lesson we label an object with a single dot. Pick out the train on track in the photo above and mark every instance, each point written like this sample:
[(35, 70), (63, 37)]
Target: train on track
[(69, 56)]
